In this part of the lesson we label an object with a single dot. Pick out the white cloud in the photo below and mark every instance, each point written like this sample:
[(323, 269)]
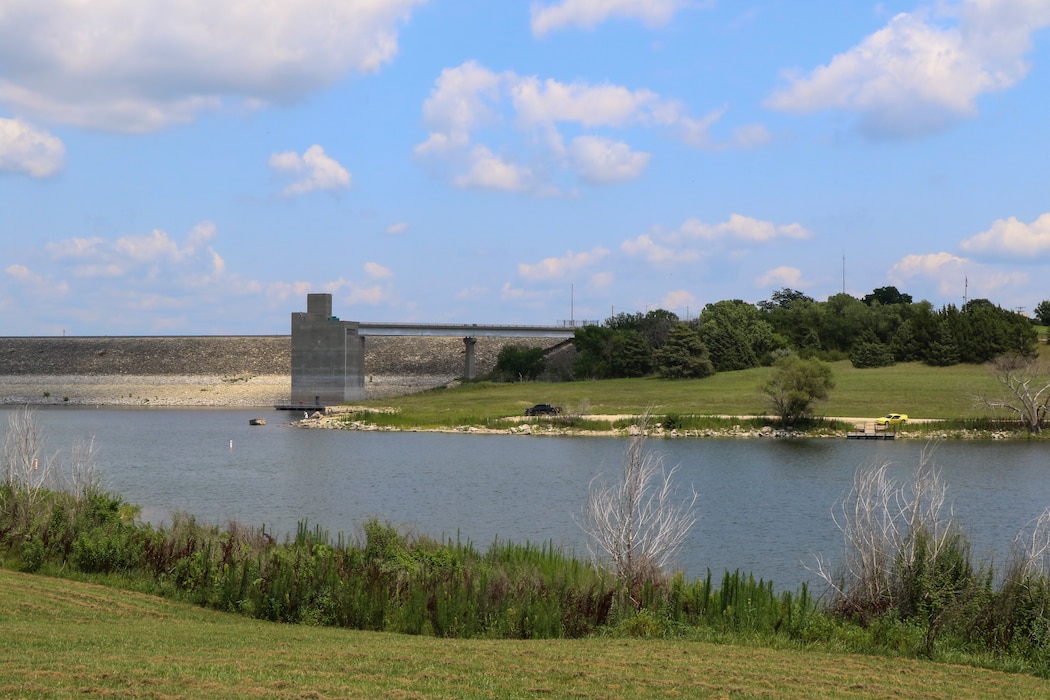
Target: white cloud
[(919, 75), (783, 276), (355, 293), (645, 247), (589, 13), (477, 292), (75, 247), (377, 271), (955, 277), (144, 65), (526, 114), (318, 171), (601, 160), (946, 271), (679, 299), (488, 171), (1012, 238), (397, 229), (33, 284), (739, 228), (694, 239), (24, 149), (553, 268), (145, 255), (550, 101), (509, 292)]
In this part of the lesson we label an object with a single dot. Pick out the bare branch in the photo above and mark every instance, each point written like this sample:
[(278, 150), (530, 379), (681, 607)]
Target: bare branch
[(638, 522)]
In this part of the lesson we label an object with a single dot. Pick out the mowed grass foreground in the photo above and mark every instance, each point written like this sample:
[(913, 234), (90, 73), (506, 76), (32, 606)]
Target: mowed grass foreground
[(916, 389), (64, 639)]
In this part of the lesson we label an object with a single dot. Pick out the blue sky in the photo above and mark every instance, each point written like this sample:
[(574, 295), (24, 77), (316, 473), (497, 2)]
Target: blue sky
[(193, 167)]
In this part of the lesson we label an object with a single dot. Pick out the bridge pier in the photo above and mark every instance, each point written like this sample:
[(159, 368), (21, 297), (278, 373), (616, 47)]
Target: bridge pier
[(469, 369)]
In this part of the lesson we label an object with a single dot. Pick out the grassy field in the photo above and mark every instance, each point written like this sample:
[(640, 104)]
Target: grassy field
[(916, 389), (68, 639)]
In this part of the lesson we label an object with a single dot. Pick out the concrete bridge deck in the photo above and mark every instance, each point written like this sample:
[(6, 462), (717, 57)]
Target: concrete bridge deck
[(465, 330)]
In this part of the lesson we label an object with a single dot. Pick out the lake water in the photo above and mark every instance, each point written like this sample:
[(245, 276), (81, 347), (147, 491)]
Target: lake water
[(765, 505)]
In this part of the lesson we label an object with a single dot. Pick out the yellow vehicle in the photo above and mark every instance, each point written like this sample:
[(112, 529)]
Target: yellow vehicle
[(891, 419)]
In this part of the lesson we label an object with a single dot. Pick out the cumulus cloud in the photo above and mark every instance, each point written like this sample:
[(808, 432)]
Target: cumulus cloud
[(1012, 238), (377, 271), (658, 254), (923, 72), (954, 277), (36, 284), (528, 114), (145, 65), (145, 255), (600, 160), (589, 13), (346, 292), (946, 271), (553, 268), (783, 276), (694, 238), (739, 228), (486, 170), (679, 299), (314, 169), (30, 151)]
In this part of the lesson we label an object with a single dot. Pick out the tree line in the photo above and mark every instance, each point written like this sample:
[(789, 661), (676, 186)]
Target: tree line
[(880, 329)]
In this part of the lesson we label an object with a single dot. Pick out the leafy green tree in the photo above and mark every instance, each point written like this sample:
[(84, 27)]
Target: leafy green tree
[(942, 350), (593, 347), (783, 299), (869, 352), (518, 363), (1042, 312), (606, 353), (983, 331), (684, 355), (797, 383), (845, 319), (656, 327), (886, 296), (729, 349), (630, 355), (736, 334), (920, 326)]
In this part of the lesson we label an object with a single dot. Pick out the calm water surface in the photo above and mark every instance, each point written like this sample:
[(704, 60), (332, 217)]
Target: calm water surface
[(765, 506)]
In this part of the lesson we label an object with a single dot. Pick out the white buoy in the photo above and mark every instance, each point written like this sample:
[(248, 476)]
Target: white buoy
[(231, 444)]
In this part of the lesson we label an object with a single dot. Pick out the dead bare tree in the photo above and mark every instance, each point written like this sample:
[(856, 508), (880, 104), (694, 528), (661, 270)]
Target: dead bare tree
[(1032, 548), (887, 527), (28, 470), (639, 521), (1027, 381)]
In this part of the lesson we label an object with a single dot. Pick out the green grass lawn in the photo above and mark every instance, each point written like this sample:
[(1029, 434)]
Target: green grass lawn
[(912, 388), (67, 639)]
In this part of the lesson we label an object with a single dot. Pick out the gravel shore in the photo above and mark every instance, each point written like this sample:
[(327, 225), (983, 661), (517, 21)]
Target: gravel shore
[(151, 390), (183, 389)]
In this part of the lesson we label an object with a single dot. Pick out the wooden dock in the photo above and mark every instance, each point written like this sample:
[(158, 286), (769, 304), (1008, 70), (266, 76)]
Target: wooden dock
[(871, 436), (871, 432)]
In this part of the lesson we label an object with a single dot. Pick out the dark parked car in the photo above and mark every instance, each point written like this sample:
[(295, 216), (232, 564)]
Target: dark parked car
[(543, 409)]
